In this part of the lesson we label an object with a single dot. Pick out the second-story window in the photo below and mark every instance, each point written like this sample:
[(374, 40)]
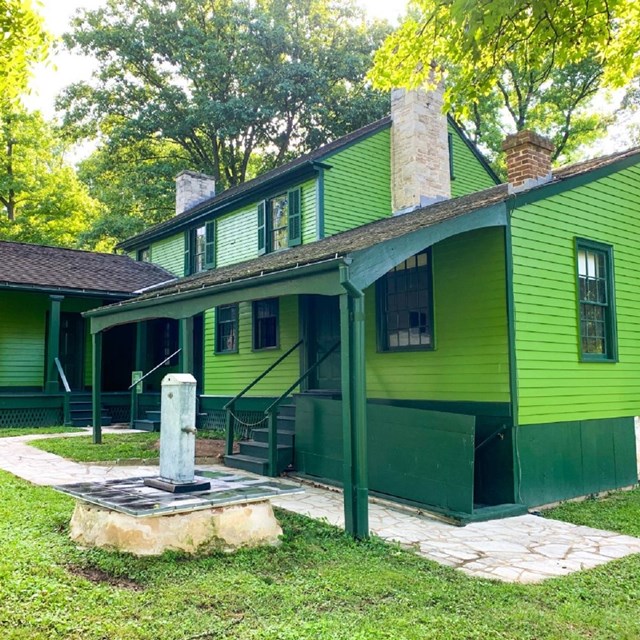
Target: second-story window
[(279, 222), (144, 255), (200, 248)]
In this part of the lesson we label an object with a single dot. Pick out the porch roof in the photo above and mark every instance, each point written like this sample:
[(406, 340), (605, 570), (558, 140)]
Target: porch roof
[(57, 270)]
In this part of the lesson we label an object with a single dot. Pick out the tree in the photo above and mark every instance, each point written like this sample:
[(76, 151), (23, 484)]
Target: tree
[(226, 81), (557, 103), (23, 44), (135, 185), (42, 200), (481, 38)]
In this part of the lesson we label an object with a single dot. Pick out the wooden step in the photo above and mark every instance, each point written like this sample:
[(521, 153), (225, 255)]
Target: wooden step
[(87, 422), (147, 425), (247, 463), (284, 437)]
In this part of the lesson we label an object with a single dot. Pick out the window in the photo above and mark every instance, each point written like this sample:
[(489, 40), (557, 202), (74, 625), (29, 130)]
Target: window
[(164, 335), (199, 244), (596, 301), (200, 248), (265, 324), (144, 255), (279, 224), (227, 329), (405, 305)]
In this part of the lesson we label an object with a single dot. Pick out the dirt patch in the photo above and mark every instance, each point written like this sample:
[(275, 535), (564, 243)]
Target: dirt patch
[(206, 448), (98, 576)]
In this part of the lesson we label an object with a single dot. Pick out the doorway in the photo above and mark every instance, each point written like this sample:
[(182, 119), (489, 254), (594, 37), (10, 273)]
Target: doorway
[(71, 349), (322, 320)]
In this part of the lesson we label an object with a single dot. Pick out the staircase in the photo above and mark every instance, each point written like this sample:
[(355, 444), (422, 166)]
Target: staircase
[(81, 411), (254, 453), (151, 421)]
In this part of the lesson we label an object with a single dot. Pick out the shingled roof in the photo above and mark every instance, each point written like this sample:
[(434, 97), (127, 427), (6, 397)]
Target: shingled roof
[(52, 268)]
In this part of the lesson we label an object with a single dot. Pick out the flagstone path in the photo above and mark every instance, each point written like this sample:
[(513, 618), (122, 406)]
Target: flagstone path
[(522, 549)]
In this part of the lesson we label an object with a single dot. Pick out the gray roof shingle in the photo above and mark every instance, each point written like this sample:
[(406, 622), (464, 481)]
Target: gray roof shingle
[(37, 266)]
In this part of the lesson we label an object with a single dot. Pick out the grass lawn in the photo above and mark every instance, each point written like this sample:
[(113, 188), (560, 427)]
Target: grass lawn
[(619, 511), (33, 431), (115, 446), (318, 584)]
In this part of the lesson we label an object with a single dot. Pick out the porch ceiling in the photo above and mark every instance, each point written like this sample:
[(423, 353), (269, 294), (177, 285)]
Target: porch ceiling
[(369, 252)]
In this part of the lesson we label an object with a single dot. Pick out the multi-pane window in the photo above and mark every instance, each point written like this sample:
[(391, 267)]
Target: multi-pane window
[(406, 305), (227, 329), (144, 255), (199, 248), (265, 324), (595, 298), (278, 208)]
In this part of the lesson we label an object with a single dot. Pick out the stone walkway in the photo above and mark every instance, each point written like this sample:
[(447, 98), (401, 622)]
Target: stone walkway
[(523, 549)]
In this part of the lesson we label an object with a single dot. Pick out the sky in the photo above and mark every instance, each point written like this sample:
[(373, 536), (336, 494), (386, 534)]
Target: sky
[(64, 68)]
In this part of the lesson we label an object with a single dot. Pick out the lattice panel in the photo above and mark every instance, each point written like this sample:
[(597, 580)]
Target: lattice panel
[(244, 423), (35, 417), (119, 413)]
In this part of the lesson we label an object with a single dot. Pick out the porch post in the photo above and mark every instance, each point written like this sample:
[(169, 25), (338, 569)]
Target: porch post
[(97, 387), (186, 345), (354, 412), (140, 364), (53, 344)]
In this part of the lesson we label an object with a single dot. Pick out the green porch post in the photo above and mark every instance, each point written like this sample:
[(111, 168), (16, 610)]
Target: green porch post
[(97, 387), (354, 411), (53, 344), (186, 345)]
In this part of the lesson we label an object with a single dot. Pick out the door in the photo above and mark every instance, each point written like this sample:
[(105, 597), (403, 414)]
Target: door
[(71, 350), (323, 332)]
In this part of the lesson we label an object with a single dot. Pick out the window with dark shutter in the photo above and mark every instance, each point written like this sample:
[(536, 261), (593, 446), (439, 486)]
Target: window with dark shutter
[(210, 245), (295, 226)]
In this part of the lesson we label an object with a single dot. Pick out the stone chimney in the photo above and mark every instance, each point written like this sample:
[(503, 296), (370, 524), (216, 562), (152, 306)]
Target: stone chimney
[(192, 188), (419, 149), (528, 160)]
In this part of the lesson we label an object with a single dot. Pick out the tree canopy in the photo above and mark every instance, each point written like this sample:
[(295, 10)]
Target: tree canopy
[(235, 85), (23, 44), (482, 37)]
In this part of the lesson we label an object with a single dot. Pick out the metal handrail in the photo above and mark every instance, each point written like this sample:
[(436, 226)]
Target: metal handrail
[(134, 398), (301, 378), (66, 402), (229, 407), (65, 383), (263, 374), (175, 353), (271, 410)]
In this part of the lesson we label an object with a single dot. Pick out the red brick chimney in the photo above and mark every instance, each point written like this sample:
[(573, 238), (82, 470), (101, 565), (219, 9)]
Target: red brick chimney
[(528, 159)]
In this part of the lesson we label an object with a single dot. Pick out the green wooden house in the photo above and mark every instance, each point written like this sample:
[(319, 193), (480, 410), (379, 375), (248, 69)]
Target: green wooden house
[(382, 315), (45, 343)]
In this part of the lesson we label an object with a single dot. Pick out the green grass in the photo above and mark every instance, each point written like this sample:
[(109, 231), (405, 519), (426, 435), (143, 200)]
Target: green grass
[(319, 584), (32, 431), (115, 446), (619, 511)]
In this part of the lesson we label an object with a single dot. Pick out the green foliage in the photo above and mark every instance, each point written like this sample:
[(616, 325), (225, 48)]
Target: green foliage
[(134, 183), (516, 65), (319, 584), (224, 80), (42, 199), (23, 44)]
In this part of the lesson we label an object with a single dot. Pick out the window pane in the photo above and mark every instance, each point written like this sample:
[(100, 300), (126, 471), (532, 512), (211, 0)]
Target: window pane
[(226, 329), (406, 304), (279, 222), (265, 324)]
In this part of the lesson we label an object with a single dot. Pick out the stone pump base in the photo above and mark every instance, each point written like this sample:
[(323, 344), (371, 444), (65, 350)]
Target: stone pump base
[(214, 529)]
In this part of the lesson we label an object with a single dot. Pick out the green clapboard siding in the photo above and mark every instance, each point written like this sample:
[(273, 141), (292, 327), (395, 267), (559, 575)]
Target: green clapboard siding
[(553, 385), (228, 374), (426, 457), (357, 188), (469, 174), (23, 336), (568, 459), (470, 362), (22, 339), (169, 254)]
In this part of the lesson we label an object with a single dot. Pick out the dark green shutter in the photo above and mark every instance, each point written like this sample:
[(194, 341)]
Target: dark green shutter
[(450, 145), (295, 226), (262, 227), (210, 245), (187, 252)]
